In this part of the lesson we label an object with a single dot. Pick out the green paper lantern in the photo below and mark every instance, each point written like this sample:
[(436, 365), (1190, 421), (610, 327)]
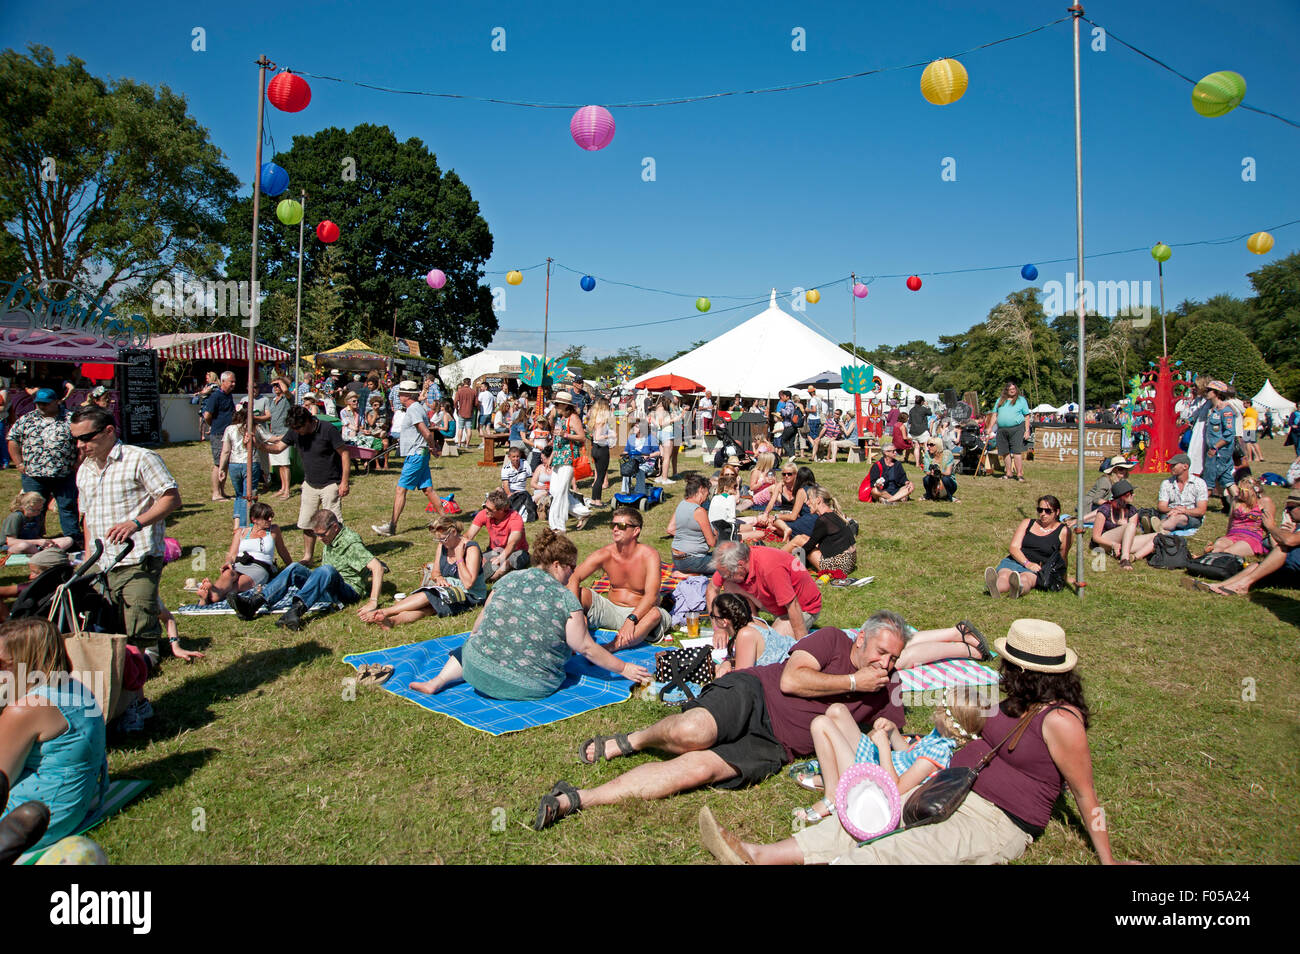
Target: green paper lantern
[(1219, 93), (703, 304), (289, 211), (1161, 252)]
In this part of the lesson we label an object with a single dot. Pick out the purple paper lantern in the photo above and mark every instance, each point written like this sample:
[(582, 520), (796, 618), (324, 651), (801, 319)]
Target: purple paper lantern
[(436, 278), (592, 127), (860, 290)]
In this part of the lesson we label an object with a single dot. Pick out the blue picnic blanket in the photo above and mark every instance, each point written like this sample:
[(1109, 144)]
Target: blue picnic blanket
[(587, 687)]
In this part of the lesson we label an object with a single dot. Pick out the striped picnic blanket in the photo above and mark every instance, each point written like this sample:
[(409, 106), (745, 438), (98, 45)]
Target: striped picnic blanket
[(668, 579), (946, 673), (224, 608), (120, 792)]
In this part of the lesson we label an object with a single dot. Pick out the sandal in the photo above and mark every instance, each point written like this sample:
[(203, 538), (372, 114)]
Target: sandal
[(598, 747), (549, 810), (966, 629), (1125, 564), (374, 674), (811, 814)]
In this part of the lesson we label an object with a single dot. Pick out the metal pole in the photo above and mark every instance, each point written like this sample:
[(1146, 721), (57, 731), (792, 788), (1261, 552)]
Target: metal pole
[(1077, 11), (297, 333), (263, 64), (546, 324), (1164, 340)]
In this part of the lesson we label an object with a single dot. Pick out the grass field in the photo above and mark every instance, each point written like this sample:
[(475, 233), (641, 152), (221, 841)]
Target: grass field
[(258, 755)]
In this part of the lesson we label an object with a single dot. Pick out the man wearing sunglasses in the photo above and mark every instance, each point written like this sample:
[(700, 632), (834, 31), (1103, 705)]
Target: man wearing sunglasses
[(1285, 557), (125, 493), (632, 605)]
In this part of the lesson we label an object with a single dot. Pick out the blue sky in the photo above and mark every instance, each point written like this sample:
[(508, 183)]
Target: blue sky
[(779, 190)]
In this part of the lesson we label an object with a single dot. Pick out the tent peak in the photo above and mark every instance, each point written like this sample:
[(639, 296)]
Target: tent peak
[(772, 304)]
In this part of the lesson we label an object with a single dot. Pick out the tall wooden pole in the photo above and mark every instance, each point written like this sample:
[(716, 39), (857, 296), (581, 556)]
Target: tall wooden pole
[(1080, 303), (263, 64), (297, 333)]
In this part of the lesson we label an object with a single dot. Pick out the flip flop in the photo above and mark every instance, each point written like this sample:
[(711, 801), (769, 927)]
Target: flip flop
[(967, 629), (375, 674)]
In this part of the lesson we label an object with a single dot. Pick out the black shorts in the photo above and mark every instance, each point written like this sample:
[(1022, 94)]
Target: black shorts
[(745, 738), (1011, 440)]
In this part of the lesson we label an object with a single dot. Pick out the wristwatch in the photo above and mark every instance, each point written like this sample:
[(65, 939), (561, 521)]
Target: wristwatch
[(634, 618)]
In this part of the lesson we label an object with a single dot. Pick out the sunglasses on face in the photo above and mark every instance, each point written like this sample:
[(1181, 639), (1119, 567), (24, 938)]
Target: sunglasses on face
[(621, 526), (1046, 510), (90, 436)]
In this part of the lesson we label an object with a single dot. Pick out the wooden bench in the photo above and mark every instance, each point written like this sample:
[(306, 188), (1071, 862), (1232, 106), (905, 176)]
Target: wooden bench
[(490, 442)]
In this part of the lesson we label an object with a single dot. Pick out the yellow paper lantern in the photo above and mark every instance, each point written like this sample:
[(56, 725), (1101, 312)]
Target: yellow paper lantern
[(813, 296), (1260, 243), (515, 277), (943, 82)]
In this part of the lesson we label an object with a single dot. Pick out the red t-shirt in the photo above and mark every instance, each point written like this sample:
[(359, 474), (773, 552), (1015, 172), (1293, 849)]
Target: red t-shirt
[(499, 530), (776, 579), (465, 402), (791, 716)]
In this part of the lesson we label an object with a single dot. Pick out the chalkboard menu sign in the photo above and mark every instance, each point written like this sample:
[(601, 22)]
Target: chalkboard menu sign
[(137, 388)]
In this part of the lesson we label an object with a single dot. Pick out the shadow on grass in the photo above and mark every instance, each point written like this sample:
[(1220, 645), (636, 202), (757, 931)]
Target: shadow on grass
[(171, 771), (1284, 607), (944, 514), (189, 705), (388, 546)]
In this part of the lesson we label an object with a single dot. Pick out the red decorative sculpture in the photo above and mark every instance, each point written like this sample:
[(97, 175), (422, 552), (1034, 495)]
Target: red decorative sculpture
[(1159, 428)]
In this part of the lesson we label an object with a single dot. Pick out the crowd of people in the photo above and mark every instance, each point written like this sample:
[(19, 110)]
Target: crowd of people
[(758, 534)]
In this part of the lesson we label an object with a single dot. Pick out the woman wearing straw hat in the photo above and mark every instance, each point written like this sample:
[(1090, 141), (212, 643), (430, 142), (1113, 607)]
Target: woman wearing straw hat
[(1011, 801), (570, 438)]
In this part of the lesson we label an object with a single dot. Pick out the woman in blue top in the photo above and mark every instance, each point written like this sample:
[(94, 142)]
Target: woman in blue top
[(52, 738), (748, 641), (1012, 411)]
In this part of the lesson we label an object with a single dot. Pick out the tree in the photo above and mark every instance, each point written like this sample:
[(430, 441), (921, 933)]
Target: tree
[(1223, 352), (399, 215), (104, 184)]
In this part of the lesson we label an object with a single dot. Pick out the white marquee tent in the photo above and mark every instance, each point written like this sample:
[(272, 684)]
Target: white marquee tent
[(1269, 398), (766, 354), (484, 362)]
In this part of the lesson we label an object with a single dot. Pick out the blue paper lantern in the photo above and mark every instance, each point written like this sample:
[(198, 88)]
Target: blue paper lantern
[(274, 179), (587, 283), (1029, 273)]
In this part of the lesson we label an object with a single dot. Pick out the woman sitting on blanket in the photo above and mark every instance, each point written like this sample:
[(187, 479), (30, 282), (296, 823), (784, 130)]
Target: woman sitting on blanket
[(762, 483), (748, 641), (528, 629), (1246, 536), (454, 583), (251, 559), (839, 743), (52, 738)]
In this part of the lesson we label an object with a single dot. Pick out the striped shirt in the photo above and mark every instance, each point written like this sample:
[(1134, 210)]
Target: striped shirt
[(130, 482)]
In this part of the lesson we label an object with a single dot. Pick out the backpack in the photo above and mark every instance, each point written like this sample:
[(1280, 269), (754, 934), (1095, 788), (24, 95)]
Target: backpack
[(1215, 566), (1170, 553), (796, 417)]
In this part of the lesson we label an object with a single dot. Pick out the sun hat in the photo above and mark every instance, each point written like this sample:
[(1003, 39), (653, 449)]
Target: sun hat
[(563, 397), (1292, 499), (45, 396), (408, 387), (1120, 488), (1037, 644), (49, 557), (1180, 459), (867, 801), (1119, 460)]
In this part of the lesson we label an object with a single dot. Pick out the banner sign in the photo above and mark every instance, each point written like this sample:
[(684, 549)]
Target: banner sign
[(1062, 443)]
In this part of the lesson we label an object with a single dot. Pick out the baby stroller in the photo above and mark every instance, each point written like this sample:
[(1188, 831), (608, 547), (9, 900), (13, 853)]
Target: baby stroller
[(636, 469), (62, 592), (970, 448), (730, 445)]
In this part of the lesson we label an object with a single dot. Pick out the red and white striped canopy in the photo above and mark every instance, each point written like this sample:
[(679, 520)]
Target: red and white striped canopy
[(202, 346)]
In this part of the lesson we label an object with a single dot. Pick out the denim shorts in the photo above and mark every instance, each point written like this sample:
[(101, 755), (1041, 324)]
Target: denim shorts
[(1010, 564)]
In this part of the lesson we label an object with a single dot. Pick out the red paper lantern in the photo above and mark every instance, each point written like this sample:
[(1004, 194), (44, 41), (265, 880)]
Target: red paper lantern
[(288, 92), (97, 372), (914, 283), (327, 232)]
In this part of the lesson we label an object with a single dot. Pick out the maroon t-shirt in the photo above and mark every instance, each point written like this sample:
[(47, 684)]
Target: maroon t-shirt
[(465, 401), (1025, 782), (791, 716)]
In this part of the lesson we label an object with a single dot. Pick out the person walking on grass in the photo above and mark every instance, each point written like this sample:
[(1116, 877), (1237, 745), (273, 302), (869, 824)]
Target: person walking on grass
[(414, 440)]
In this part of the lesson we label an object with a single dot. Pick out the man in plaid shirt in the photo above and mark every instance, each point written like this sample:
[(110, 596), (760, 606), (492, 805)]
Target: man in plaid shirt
[(125, 493)]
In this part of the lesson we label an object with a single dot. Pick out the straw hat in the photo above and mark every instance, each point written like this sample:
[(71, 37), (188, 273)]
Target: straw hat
[(1119, 460), (1037, 644), (563, 397), (408, 387)]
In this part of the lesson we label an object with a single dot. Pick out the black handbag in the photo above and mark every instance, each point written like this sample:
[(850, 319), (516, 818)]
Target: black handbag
[(1170, 553), (678, 667), (942, 794), (1051, 574), (1216, 566)]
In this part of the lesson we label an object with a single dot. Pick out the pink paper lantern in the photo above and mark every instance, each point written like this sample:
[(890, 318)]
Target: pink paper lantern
[(592, 127), (436, 278), (860, 290), (327, 232)]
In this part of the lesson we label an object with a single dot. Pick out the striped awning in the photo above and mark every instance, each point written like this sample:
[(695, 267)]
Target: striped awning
[(223, 346)]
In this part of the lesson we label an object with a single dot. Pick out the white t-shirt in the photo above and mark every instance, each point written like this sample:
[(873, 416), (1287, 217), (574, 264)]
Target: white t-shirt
[(1188, 497), (486, 402), (516, 480), (722, 507)]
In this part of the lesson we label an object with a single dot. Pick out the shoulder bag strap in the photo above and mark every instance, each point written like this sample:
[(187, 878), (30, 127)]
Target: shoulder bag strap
[(1013, 737)]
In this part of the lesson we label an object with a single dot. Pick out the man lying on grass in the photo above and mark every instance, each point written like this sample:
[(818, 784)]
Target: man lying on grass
[(748, 724)]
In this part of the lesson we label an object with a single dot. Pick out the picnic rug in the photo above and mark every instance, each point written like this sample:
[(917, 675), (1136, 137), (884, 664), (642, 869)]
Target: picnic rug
[(121, 791), (587, 687), (224, 608), (946, 673)]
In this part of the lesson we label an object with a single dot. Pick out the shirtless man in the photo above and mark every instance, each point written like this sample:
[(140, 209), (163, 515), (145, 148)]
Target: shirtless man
[(632, 607)]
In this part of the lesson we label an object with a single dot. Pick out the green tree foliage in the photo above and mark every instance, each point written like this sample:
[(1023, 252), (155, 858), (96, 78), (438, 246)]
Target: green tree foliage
[(399, 215), (105, 184), (1223, 351)]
